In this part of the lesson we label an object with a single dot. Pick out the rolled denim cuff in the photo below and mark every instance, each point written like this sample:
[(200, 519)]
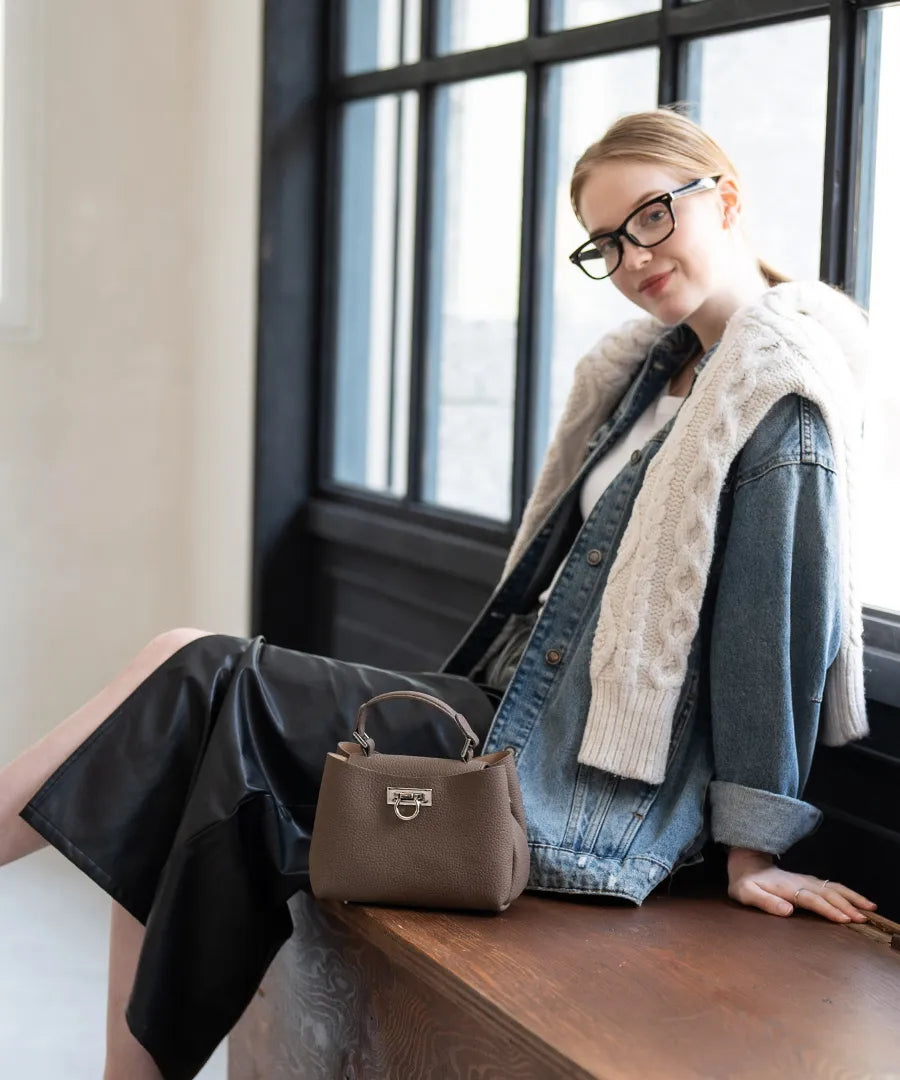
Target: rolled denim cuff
[(749, 817)]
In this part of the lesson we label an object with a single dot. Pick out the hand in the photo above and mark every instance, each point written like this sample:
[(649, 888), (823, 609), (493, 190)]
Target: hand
[(754, 880)]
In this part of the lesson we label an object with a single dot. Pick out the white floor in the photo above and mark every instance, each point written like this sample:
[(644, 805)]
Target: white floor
[(54, 941)]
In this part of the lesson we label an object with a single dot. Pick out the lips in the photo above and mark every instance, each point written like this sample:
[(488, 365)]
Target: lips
[(655, 281)]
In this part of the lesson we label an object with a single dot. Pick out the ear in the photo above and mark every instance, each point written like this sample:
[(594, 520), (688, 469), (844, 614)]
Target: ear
[(730, 200)]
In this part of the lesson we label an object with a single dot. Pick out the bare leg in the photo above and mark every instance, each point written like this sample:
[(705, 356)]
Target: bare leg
[(126, 1058), (25, 774)]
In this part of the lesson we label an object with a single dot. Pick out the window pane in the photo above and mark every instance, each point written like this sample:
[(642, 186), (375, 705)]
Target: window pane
[(412, 29), (380, 34), (783, 205), (561, 14), (475, 24), (474, 292), (582, 100), (880, 236), (375, 249)]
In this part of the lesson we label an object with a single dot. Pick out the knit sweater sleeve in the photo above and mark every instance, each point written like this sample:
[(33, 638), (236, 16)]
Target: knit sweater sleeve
[(776, 629)]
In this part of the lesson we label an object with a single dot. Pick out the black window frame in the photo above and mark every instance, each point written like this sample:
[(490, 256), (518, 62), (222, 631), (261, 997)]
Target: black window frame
[(306, 77)]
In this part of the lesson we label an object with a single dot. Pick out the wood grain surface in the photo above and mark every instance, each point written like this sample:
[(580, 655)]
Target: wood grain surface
[(560, 986)]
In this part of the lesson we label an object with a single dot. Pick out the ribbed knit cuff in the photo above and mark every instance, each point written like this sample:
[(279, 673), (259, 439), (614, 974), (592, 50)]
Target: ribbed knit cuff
[(628, 730), (742, 816), (844, 699)]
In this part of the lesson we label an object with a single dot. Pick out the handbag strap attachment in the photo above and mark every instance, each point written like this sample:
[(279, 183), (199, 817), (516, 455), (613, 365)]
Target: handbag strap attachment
[(368, 743)]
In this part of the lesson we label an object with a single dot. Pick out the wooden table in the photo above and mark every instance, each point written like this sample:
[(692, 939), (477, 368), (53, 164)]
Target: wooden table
[(684, 986)]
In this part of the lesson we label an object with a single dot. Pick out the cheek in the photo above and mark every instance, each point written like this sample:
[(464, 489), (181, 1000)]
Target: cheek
[(681, 248), (694, 263), (697, 250)]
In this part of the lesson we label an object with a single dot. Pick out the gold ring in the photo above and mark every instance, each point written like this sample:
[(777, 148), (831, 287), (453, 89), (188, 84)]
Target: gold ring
[(797, 893)]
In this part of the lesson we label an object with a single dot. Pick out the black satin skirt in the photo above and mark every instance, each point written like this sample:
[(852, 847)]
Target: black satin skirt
[(192, 805)]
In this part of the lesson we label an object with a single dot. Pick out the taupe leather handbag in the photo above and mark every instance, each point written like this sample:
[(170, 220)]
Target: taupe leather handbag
[(432, 832)]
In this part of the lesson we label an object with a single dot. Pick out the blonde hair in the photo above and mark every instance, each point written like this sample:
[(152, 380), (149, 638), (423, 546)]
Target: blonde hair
[(662, 137)]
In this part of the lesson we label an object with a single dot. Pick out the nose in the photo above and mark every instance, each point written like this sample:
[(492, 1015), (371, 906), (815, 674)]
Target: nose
[(633, 256)]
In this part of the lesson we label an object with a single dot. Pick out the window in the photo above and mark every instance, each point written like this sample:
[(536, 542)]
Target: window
[(458, 321), (573, 309), (784, 205), (878, 276), (380, 34), (562, 14), (473, 288), (19, 173), (473, 24), (374, 269)]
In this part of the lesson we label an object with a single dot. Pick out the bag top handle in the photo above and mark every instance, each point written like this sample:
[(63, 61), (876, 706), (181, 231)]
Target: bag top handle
[(368, 743)]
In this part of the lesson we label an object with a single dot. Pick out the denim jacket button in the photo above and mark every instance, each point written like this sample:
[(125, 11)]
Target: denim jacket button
[(553, 656), (594, 556), (635, 456)]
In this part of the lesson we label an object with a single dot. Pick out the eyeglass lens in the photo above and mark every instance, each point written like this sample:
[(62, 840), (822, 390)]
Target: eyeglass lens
[(651, 225)]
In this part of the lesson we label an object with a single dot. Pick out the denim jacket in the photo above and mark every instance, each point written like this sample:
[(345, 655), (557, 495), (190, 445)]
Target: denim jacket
[(746, 722)]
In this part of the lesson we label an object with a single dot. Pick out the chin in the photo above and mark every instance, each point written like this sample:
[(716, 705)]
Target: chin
[(669, 314), (671, 310)]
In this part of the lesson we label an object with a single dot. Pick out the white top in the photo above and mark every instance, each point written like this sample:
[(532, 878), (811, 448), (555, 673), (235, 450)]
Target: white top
[(595, 482)]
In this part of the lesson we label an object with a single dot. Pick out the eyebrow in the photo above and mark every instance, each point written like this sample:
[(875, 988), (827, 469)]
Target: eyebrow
[(647, 195)]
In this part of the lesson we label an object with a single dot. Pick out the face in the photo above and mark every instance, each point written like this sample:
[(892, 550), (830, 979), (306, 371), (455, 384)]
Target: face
[(700, 256)]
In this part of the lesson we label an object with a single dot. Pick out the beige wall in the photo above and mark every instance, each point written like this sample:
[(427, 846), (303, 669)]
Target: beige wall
[(126, 426)]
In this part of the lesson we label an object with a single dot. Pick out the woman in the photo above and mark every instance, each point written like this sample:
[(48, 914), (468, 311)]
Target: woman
[(187, 787)]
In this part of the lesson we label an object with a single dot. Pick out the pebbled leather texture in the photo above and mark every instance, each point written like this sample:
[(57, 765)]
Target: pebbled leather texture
[(465, 847)]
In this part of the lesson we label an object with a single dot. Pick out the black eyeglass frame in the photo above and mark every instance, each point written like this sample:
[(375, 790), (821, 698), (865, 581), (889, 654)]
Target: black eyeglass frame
[(703, 183)]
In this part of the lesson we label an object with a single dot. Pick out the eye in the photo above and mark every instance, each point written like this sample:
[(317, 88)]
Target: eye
[(653, 215), (604, 245)]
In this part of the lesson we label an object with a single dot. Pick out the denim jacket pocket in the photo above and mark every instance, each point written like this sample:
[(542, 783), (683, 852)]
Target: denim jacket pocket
[(607, 810)]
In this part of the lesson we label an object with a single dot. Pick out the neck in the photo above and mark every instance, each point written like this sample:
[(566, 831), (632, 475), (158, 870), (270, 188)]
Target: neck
[(743, 287)]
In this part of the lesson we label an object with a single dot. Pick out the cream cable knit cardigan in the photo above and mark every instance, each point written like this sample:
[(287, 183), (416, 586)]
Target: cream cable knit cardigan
[(802, 337)]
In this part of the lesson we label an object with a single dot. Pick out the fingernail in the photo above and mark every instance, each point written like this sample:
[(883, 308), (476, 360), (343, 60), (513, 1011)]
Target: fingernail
[(843, 915)]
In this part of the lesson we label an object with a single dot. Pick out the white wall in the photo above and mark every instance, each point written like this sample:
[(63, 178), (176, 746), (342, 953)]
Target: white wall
[(126, 427)]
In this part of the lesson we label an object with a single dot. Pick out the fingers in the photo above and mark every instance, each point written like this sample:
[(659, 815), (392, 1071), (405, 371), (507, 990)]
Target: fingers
[(828, 903), (841, 897), (755, 894), (854, 897), (776, 893), (831, 904)]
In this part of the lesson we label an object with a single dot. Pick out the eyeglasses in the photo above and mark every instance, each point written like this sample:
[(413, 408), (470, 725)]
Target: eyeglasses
[(646, 226)]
